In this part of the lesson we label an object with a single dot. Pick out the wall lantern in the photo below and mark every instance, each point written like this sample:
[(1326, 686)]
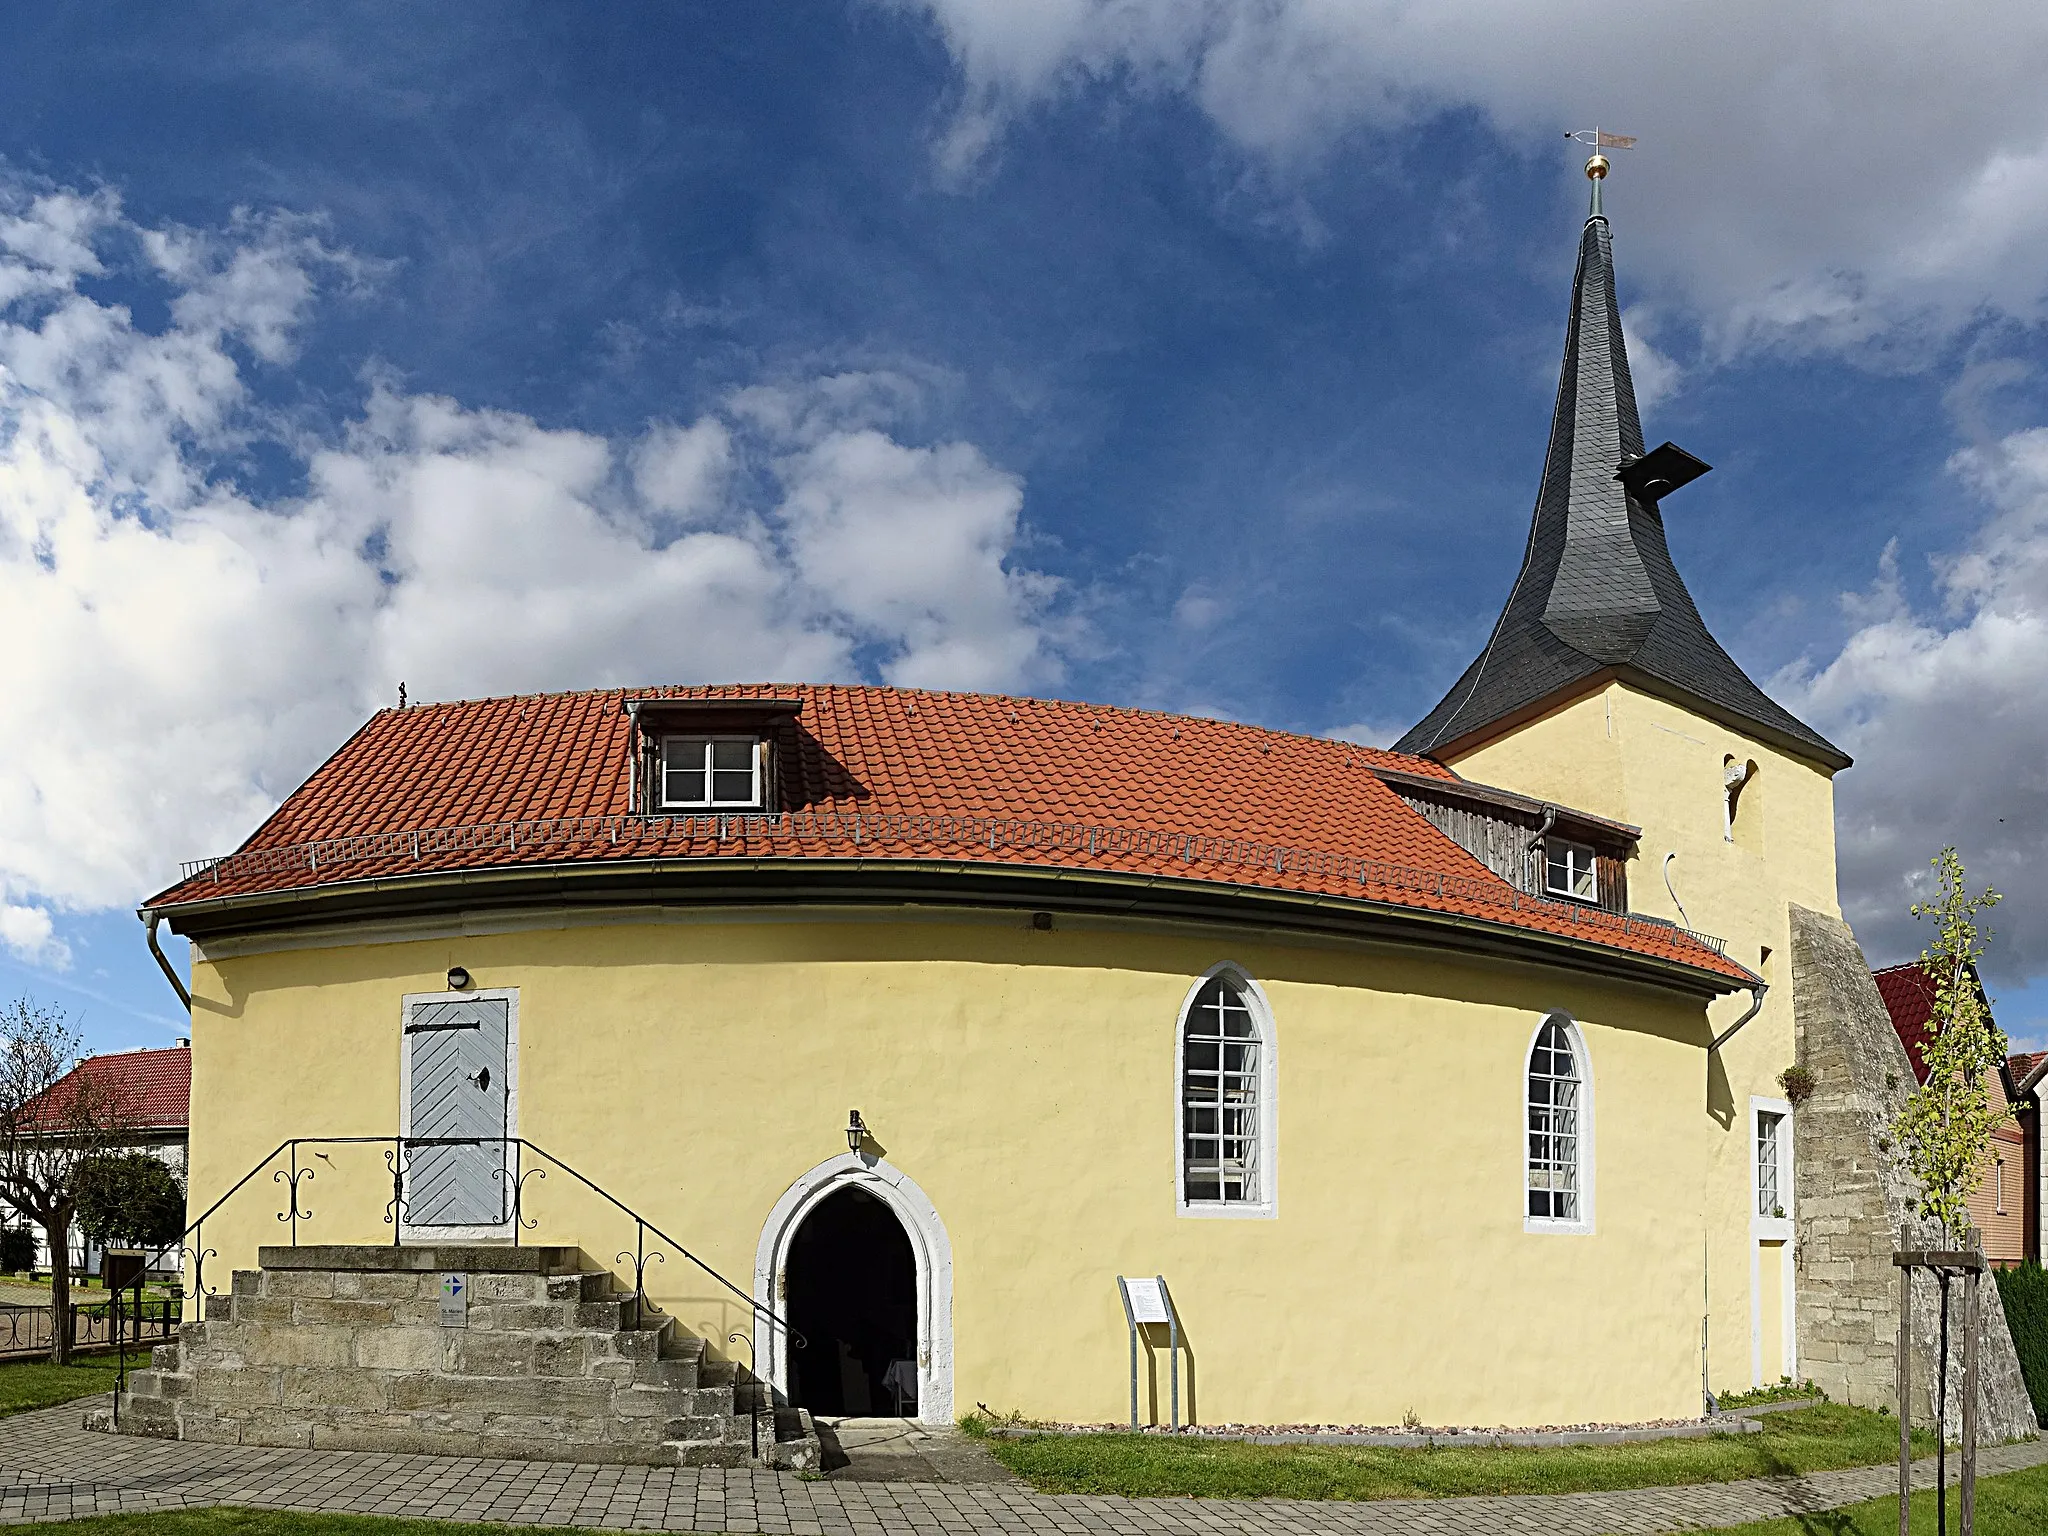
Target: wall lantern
[(458, 978), (856, 1131)]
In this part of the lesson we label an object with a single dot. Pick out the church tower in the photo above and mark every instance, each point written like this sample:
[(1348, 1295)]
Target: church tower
[(1601, 688)]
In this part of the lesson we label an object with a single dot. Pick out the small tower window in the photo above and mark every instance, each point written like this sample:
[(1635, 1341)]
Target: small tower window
[(711, 772), (1770, 1200), (1568, 870)]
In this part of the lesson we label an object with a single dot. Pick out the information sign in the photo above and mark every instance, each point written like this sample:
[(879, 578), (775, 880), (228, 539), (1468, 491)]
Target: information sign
[(1148, 1301), (455, 1301)]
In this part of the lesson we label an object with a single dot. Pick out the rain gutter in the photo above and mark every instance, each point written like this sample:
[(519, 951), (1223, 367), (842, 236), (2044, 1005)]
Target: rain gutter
[(863, 882)]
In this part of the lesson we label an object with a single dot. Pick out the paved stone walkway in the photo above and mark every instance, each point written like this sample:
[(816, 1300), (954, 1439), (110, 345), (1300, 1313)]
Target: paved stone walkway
[(51, 1469)]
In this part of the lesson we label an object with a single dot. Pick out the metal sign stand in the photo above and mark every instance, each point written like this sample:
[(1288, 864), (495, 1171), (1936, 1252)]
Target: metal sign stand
[(1148, 1303)]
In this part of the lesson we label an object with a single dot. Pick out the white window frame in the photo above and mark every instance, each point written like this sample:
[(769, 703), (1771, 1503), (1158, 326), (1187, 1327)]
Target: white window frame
[(1583, 1224), (1998, 1173), (1772, 1229), (1267, 1206), (1572, 852), (753, 801)]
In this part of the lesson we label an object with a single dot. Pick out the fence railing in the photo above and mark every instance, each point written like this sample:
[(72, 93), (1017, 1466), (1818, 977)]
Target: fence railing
[(515, 1167), (29, 1330), (794, 832)]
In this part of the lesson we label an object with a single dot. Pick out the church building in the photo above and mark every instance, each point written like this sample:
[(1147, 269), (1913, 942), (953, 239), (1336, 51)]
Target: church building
[(876, 1034)]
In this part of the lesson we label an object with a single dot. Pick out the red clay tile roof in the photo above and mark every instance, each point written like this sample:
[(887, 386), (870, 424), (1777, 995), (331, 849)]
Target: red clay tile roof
[(153, 1088), (1908, 993), (881, 773), (2023, 1065)]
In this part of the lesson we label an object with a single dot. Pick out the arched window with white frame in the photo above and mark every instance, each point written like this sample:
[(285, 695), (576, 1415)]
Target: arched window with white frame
[(1558, 1100), (1224, 1077)]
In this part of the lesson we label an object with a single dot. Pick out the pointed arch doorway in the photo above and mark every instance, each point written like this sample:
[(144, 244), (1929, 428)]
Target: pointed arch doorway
[(859, 1249)]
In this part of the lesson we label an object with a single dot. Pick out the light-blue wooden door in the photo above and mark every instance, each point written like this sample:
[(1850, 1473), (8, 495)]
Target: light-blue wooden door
[(458, 1055)]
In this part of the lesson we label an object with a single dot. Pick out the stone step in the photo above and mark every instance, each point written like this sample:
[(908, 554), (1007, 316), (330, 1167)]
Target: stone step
[(437, 1258), (705, 1453), (556, 1363)]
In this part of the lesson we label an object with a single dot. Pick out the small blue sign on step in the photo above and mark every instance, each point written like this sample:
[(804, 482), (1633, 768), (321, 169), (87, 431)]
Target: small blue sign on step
[(455, 1301)]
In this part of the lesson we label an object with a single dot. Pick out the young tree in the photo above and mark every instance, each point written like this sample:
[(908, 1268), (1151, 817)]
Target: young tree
[(1944, 1130), (129, 1197), (51, 1124)]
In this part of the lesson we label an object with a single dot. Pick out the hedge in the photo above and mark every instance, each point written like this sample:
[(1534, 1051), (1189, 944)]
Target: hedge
[(2025, 1294)]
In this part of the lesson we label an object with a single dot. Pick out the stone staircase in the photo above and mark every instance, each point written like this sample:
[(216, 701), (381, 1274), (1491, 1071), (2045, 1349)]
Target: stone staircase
[(345, 1347)]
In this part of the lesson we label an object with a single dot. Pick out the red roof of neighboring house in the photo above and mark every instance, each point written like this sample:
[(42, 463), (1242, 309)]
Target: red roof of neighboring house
[(1908, 994), (873, 774), (2024, 1066), (153, 1089)]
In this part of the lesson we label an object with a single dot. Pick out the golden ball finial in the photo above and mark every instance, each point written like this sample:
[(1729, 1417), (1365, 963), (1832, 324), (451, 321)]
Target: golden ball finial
[(1596, 168)]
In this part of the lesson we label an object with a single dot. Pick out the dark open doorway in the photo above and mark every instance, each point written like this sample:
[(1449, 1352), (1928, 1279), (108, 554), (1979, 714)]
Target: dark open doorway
[(852, 1293)]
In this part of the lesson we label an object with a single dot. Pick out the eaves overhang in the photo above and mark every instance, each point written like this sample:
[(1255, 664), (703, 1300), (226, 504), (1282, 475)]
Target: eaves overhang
[(1831, 762), (868, 882), (1476, 793)]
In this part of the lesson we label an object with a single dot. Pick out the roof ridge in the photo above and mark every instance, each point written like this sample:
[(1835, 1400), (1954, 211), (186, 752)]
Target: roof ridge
[(767, 689)]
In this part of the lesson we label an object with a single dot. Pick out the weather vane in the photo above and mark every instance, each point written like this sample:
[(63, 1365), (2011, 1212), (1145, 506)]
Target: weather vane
[(1596, 167)]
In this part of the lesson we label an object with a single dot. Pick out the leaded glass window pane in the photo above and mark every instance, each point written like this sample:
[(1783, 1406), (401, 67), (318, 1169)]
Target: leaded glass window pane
[(1555, 1085), (1220, 1097)]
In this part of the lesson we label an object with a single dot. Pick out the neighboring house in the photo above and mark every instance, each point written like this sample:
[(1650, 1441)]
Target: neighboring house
[(155, 1089), (1108, 993), (2006, 1205)]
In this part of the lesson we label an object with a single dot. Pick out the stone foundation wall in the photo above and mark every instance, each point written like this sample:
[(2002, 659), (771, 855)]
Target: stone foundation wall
[(548, 1364), (1852, 1200)]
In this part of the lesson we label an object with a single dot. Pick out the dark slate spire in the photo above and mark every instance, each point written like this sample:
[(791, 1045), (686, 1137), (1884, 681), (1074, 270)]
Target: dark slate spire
[(1598, 594)]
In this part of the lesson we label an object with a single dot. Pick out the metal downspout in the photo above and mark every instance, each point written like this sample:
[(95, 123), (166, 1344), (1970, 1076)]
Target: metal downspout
[(1756, 994), (149, 922), (1536, 877)]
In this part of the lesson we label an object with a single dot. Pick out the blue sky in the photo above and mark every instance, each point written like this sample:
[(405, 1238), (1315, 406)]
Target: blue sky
[(1211, 348)]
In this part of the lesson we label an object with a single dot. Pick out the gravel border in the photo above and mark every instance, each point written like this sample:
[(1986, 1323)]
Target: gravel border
[(1423, 1439)]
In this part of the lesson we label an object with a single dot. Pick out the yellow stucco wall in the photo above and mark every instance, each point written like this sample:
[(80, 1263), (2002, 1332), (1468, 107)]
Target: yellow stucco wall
[(1641, 759), (1025, 1080)]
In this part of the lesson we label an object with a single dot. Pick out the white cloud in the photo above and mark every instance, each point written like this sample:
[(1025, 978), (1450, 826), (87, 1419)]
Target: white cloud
[(1811, 174), (1944, 713), (29, 933), (681, 471), (180, 654), (1368, 733), (1656, 374)]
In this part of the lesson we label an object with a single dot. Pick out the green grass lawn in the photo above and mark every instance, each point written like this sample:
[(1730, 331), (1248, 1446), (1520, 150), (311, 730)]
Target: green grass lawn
[(26, 1384), (2015, 1504), (1805, 1440)]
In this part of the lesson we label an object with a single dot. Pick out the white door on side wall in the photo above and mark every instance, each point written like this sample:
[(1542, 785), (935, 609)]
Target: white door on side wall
[(458, 1111)]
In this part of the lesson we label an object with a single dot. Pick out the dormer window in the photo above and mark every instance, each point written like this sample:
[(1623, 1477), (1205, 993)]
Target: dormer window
[(711, 772), (1568, 870)]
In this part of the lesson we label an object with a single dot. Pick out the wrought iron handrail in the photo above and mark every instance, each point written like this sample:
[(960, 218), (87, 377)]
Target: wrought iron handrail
[(866, 832), (191, 1242)]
